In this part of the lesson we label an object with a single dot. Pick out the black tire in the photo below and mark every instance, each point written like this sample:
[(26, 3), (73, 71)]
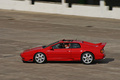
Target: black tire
[(24, 61), (87, 58), (40, 58)]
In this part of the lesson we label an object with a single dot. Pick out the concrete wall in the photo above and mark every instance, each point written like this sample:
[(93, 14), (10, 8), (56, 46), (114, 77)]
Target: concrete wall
[(62, 8)]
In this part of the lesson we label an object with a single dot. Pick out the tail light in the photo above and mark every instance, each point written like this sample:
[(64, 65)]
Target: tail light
[(102, 51)]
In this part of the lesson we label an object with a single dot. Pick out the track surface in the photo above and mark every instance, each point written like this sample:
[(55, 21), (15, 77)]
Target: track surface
[(23, 30)]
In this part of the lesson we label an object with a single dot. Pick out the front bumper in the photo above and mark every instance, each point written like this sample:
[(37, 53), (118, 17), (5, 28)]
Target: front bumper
[(26, 57)]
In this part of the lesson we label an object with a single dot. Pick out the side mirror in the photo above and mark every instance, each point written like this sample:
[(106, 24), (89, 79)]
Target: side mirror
[(51, 48)]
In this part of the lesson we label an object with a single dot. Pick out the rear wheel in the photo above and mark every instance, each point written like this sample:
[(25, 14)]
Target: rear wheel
[(39, 58), (87, 58)]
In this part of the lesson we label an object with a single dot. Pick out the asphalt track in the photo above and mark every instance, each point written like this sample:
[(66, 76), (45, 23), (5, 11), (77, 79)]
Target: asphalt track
[(23, 30)]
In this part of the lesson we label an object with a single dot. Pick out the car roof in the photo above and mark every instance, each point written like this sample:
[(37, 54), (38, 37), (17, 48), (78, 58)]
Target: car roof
[(71, 41)]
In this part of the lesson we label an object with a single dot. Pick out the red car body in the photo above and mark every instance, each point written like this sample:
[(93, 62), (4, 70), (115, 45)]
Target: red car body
[(66, 54)]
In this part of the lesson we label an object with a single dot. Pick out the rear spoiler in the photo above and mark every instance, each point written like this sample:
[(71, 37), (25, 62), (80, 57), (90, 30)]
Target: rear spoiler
[(101, 45)]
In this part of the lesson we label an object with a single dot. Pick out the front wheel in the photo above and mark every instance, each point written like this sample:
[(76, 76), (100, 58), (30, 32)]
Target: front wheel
[(39, 58), (24, 61), (87, 58)]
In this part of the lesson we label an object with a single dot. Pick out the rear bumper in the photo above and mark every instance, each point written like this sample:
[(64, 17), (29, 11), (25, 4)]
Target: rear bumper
[(100, 56)]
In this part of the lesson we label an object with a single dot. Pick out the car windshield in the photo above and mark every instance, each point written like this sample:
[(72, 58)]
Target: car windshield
[(51, 44)]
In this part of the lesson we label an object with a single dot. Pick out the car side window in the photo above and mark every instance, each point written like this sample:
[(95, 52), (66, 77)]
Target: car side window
[(61, 45), (75, 45), (57, 46)]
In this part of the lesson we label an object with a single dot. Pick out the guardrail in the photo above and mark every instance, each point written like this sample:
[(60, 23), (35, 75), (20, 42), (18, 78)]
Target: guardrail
[(101, 8)]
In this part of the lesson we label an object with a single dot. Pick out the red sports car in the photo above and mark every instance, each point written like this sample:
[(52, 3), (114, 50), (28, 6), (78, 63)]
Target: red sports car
[(65, 50)]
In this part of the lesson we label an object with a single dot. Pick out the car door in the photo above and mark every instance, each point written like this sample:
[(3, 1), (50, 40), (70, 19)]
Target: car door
[(75, 51), (59, 53)]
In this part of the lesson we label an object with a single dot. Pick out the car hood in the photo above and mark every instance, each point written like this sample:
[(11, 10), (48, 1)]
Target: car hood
[(33, 49)]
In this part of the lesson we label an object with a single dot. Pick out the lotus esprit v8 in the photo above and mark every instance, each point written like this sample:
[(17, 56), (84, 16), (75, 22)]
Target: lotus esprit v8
[(65, 50)]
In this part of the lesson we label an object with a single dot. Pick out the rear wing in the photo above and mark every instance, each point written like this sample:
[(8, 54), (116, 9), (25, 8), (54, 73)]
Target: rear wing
[(101, 45)]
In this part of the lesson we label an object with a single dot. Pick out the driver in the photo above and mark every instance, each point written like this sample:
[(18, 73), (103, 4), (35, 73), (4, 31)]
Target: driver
[(67, 45)]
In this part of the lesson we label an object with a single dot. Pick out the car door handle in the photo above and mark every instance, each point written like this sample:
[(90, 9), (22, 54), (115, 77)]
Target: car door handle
[(68, 51)]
